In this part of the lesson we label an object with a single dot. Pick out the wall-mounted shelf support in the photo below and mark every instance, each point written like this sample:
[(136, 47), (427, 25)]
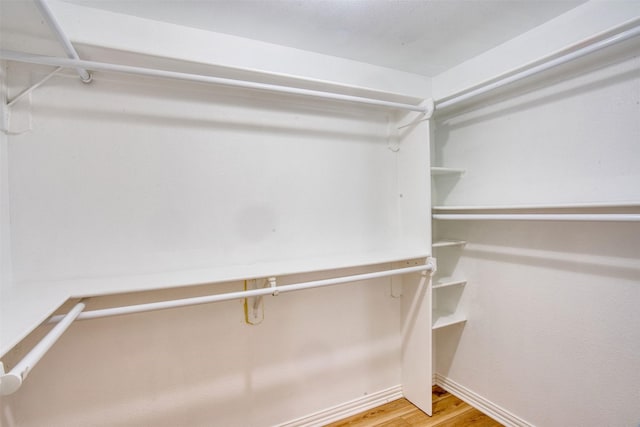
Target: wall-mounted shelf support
[(33, 87), (253, 306), (428, 109)]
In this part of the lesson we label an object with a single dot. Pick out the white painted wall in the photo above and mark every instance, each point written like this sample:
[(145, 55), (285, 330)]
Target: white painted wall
[(552, 307), (131, 184), (204, 365), (230, 180)]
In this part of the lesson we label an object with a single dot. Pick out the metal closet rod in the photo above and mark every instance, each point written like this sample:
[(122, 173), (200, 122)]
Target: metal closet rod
[(140, 308), (11, 381), (584, 47), (198, 78)]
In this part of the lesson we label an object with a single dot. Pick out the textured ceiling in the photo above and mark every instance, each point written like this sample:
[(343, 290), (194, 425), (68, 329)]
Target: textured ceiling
[(421, 36)]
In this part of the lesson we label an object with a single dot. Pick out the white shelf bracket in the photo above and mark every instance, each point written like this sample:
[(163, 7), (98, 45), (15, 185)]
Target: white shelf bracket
[(434, 264), (273, 285), (396, 287), (396, 281), (254, 306), (33, 87), (18, 120), (429, 107)]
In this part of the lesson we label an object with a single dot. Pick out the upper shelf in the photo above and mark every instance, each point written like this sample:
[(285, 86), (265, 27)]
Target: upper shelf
[(590, 205), (615, 212)]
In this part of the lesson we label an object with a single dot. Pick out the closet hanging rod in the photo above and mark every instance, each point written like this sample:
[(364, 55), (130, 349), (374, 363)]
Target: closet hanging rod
[(614, 35), (11, 381), (198, 78), (48, 15), (140, 308), (540, 217)]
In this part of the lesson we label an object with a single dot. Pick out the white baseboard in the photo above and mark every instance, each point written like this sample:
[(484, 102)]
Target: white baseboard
[(472, 398), (347, 409)]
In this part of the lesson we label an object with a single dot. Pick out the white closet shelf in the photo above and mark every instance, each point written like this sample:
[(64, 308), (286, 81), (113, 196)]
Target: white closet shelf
[(589, 205), (618, 212), (11, 381), (608, 217), (448, 281), (444, 319), (24, 307), (448, 243), (439, 170), (30, 58)]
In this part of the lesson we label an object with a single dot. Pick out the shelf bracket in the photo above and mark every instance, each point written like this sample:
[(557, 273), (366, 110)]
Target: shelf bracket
[(396, 281), (254, 306), (33, 87), (18, 120), (429, 106), (434, 262), (396, 286)]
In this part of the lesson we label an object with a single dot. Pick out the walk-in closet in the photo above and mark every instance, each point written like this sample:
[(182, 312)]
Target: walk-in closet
[(286, 213)]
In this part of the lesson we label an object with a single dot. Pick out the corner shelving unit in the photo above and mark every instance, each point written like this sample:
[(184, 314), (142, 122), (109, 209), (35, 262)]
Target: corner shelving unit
[(443, 285)]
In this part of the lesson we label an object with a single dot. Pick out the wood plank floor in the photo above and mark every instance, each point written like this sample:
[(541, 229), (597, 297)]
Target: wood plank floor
[(448, 411)]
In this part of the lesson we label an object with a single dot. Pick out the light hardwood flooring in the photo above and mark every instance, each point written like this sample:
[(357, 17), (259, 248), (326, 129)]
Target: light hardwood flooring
[(448, 411)]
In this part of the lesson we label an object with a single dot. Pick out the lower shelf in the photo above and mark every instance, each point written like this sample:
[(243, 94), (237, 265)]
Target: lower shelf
[(448, 281), (443, 319)]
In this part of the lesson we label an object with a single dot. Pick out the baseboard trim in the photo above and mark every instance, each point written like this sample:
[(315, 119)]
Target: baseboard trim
[(346, 409), (472, 398)]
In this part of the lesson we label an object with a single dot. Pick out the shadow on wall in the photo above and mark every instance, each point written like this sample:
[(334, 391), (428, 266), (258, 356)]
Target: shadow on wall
[(602, 249)]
